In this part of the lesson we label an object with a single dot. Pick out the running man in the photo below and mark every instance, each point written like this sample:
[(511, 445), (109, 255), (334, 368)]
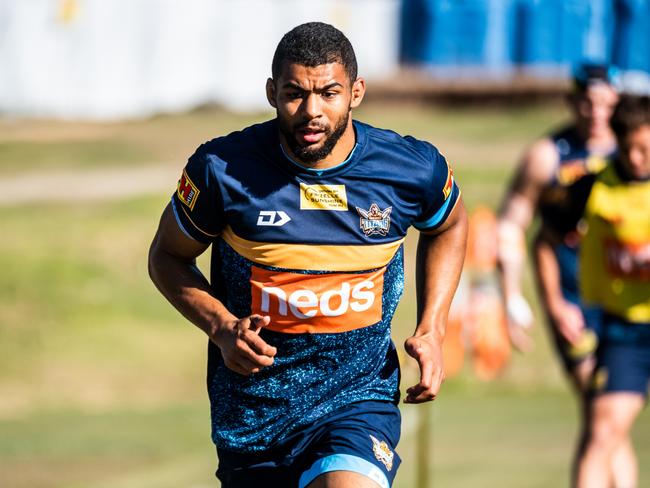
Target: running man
[(545, 184), (306, 215), (615, 276)]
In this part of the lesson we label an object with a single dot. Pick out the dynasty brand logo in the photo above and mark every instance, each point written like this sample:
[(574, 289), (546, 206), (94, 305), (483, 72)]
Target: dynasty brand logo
[(272, 218), (334, 302), (374, 221)]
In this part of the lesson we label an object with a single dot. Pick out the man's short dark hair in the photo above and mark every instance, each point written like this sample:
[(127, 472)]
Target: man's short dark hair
[(587, 74), (631, 113), (313, 44)]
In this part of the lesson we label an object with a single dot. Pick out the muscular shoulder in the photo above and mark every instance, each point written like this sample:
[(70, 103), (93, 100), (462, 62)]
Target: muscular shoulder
[(533, 175), (539, 162), (408, 152), (407, 144), (242, 145)]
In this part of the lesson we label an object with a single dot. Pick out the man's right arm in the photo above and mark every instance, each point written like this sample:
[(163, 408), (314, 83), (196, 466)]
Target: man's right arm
[(172, 268), (566, 316), (515, 216)]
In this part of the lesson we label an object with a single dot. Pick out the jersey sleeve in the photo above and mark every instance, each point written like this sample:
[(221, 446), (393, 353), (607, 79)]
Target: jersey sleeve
[(197, 202), (440, 196)]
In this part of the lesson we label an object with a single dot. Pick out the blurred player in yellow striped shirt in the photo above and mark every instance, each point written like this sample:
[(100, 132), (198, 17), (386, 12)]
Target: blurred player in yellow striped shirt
[(615, 276)]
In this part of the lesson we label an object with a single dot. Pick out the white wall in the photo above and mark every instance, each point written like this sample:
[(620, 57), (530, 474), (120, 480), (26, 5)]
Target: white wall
[(103, 59)]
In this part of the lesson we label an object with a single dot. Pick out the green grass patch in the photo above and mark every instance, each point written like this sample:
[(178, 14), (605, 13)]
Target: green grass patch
[(111, 448), (80, 320)]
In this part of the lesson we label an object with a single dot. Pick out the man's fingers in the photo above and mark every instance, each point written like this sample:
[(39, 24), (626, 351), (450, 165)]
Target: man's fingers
[(573, 337), (244, 350), (248, 330), (244, 361), (413, 348), (418, 394), (520, 339), (426, 371), (257, 344), (425, 391), (248, 353), (259, 321), (431, 371), (237, 366)]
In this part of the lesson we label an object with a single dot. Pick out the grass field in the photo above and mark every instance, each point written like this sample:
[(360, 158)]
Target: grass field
[(102, 383)]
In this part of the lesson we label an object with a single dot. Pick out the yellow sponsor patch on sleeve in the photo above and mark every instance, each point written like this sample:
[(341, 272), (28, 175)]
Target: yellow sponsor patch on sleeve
[(323, 197), (187, 191)]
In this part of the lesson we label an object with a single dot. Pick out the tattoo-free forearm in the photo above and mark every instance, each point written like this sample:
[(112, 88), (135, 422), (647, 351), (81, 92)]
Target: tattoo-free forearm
[(439, 263), (185, 287)]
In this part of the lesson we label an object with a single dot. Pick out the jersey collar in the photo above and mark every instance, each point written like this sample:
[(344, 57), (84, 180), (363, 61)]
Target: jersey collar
[(349, 162)]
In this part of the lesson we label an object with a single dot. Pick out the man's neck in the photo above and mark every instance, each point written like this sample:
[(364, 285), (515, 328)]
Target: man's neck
[(602, 142)]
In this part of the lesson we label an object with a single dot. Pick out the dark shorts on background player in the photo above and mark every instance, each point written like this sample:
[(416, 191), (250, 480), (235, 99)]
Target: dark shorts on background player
[(360, 437), (623, 357)]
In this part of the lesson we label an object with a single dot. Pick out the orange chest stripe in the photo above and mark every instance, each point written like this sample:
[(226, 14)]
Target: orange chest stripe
[(323, 303)]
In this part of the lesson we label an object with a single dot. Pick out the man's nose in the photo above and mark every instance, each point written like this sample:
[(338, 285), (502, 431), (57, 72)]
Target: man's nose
[(311, 105)]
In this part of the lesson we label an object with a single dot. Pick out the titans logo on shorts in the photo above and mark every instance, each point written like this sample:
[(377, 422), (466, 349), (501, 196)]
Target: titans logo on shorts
[(320, 252)]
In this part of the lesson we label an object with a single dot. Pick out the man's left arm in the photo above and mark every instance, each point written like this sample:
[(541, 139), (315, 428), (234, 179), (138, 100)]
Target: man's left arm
[(439, 261)]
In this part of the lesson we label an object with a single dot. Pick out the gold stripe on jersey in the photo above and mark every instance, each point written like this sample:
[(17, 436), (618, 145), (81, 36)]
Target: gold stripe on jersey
[(322, 257)]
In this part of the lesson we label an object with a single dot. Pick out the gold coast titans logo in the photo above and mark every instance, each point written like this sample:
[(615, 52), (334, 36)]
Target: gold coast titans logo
[(374, 220), (382, 452)]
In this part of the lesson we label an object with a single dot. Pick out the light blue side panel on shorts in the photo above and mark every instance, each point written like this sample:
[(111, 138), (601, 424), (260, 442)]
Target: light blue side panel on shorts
[(343, 462)]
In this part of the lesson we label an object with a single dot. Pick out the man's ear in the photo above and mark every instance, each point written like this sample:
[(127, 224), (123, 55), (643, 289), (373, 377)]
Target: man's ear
[(358, 91), (270, 92)]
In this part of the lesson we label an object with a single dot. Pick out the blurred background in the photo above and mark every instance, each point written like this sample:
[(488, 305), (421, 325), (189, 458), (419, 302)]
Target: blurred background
[(101, 103)]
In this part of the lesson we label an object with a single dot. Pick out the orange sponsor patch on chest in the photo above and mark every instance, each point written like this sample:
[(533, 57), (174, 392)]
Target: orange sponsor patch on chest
[(317, 303)]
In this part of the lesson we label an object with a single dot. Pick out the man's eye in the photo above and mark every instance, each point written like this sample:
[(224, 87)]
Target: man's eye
[(329, 94), (294, 95)]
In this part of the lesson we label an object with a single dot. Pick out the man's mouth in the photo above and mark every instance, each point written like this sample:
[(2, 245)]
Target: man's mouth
[(310, 135)]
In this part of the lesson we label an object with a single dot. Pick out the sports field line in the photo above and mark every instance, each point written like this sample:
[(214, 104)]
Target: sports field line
[(92, 184)]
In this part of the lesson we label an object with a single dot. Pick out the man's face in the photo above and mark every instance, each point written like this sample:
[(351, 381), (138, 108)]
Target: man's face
[(313, 108), (635, 152), (594, 107)]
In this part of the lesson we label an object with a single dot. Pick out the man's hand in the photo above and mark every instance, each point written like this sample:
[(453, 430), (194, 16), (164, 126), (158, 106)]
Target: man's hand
[(243, 350), (427, 351), (569, 321), (520, 319)]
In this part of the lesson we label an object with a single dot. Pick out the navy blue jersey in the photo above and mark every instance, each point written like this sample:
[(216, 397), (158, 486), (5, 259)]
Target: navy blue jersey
[(320, 252), (561, 206)]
